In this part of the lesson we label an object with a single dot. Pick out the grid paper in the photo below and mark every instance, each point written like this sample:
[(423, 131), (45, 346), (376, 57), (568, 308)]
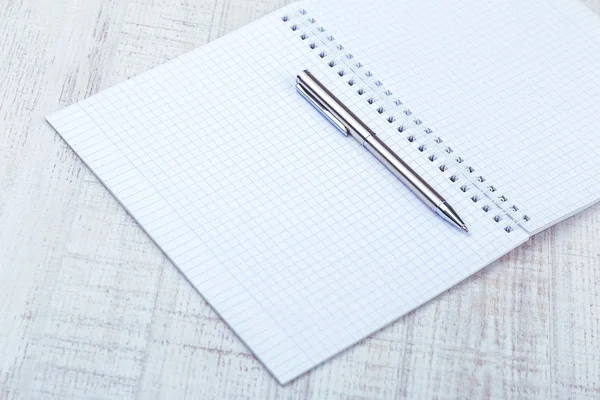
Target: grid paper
[(295, 235), (513, 87)]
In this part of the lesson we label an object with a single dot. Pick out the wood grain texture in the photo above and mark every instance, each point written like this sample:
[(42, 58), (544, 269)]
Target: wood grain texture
[(90, 308)]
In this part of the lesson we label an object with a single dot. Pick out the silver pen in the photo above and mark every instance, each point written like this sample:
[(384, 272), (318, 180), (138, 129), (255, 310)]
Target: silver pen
[(349, 124)]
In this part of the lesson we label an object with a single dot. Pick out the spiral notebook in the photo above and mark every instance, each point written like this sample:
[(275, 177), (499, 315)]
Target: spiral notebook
[(297, 237)]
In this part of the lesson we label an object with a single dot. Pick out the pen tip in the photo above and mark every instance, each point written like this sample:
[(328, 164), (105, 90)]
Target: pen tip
[(448, 213)]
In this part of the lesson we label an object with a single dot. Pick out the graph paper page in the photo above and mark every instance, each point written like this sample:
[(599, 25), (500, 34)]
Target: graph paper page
[(295, 235), (513, 87)]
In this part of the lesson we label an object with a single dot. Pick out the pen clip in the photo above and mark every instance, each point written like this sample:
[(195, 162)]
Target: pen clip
[(304, 92)]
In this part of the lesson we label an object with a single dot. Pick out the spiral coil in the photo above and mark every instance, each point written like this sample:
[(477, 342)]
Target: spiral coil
[(401, 117)]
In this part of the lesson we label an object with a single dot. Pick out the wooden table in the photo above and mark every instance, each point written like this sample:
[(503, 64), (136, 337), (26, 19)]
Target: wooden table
[(90, 308)]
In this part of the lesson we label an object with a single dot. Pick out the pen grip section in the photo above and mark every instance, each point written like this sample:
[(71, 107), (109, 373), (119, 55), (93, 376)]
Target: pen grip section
[(403, 171)]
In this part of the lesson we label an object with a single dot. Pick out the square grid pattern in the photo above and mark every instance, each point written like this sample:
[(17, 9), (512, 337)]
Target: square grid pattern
[(296, 236), (513, 87)]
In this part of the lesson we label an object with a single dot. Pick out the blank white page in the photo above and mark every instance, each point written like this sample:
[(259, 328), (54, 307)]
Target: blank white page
[(295, 235), (512, 86)]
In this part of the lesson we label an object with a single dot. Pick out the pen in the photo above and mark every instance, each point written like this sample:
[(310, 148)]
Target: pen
[(349, 124)]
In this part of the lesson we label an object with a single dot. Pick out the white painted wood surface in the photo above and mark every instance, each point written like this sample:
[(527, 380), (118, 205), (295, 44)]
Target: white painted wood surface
[(90, 308)]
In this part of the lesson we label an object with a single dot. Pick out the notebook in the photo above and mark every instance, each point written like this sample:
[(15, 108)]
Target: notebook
[(298, 237)]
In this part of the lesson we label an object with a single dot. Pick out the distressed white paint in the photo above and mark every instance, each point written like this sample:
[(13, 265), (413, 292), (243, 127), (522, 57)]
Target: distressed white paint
[(90, 308)]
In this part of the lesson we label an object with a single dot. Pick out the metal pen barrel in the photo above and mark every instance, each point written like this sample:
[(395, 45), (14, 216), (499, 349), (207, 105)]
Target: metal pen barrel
[(349, 124)]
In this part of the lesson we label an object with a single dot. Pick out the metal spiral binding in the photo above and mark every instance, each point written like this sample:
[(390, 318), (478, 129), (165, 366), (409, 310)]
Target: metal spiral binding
[(401, 117)]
